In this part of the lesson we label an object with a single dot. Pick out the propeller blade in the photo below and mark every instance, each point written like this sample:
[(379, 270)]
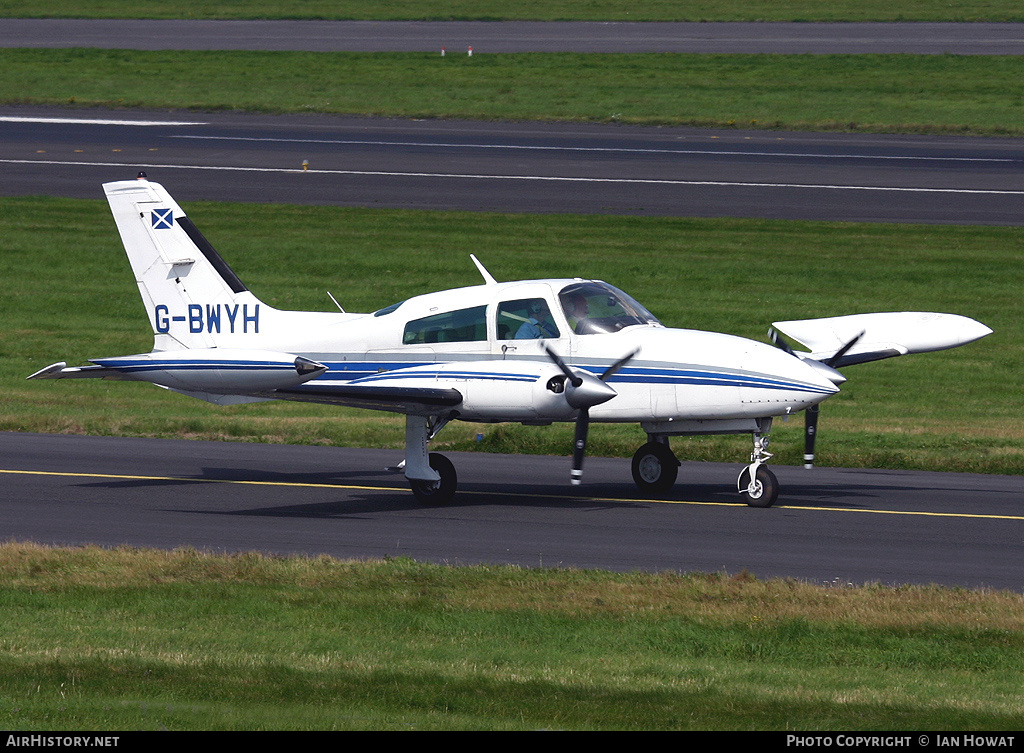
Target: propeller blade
[(810, 435), (579, 447), (779, 341), (574, 379), (835, 359), (614, 368)]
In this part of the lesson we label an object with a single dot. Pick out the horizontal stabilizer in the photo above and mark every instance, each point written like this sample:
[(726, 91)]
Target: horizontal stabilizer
[(60, 370), (884, 335), (218, 371)]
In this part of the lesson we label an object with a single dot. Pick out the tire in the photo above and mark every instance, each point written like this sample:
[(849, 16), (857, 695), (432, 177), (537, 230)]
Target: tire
[(436, 492), (655, 468), (767, 487)]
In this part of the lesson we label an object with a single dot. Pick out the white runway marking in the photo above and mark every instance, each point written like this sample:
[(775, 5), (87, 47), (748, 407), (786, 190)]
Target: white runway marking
[(539, 178), (626, 150), (98, 121)]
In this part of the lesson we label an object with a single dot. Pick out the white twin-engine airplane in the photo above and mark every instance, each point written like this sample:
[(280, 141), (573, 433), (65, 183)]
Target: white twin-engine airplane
[(534, 352)]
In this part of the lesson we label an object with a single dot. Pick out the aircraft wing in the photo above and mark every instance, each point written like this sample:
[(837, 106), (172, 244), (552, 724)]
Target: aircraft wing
[(375, 397), (882, 335)]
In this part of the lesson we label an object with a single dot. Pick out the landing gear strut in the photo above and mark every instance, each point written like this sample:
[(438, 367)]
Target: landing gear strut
[(757, 484), (432, 476)]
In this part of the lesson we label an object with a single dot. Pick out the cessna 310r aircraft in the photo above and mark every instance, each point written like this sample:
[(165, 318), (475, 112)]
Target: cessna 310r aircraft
[(535, 351)]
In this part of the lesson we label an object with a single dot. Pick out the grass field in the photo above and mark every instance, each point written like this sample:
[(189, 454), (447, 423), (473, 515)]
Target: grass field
[(957, 410), (553, 10), (136, 640), (886, 93)]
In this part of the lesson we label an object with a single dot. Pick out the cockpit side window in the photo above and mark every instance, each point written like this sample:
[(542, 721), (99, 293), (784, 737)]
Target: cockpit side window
[(593, 307), (525, 319), (464, 325)]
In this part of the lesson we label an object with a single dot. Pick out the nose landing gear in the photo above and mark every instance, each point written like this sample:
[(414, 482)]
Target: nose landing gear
[(757, 484)]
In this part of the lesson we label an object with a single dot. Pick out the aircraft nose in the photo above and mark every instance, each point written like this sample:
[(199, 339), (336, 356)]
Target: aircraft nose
[(826, 371), (827, 378), (788, 382), (820, 382)]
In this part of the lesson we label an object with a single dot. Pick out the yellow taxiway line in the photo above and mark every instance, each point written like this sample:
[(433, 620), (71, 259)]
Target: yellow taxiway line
[(356, 487)]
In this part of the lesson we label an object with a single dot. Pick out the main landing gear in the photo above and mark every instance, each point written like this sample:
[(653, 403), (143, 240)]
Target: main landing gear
[(655, 467), (432, 476), (441, 491)]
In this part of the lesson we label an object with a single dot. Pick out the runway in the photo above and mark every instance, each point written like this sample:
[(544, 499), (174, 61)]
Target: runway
[(831, 526), (519, 36), (515, 167)]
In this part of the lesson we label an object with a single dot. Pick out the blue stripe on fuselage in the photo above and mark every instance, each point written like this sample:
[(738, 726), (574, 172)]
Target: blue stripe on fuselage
[(368, 372), (365, 372)]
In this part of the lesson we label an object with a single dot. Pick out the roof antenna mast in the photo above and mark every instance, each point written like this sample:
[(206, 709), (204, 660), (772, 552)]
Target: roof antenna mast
[(483, 271)]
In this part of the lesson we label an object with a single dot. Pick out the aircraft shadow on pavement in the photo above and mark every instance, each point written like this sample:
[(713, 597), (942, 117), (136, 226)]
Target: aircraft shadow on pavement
[(244, 475), (394, 494), (399, 499)]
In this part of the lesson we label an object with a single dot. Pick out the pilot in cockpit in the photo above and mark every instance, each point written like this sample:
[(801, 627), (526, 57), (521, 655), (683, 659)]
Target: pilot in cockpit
[(539, 325), (577, 310)]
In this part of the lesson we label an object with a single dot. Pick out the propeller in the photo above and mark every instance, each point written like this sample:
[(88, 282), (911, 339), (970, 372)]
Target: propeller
[(826, 367), (583, 391), (779, 341)]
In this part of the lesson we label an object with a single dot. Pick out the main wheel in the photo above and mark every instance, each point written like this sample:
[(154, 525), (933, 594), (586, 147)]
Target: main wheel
[(766, 487), (655, 468), (436, 492)]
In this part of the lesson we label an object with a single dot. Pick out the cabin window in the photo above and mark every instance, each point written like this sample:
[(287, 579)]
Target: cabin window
[(525, 319), (464, 325)]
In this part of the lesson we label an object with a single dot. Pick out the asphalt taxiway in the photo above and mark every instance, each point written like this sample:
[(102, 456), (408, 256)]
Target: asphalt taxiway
[(830, 526)]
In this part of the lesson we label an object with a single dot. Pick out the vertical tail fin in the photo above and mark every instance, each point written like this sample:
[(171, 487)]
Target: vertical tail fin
[(192, 297)]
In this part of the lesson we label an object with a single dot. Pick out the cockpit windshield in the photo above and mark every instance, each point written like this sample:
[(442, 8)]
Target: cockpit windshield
[(388, 309), (594, 307)]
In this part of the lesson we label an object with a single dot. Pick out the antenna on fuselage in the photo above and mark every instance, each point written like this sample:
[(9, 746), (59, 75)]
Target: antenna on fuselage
[(483, 271)]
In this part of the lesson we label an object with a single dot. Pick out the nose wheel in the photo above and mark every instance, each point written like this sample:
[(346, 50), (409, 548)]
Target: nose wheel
[(762, 491), (757, 484)]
